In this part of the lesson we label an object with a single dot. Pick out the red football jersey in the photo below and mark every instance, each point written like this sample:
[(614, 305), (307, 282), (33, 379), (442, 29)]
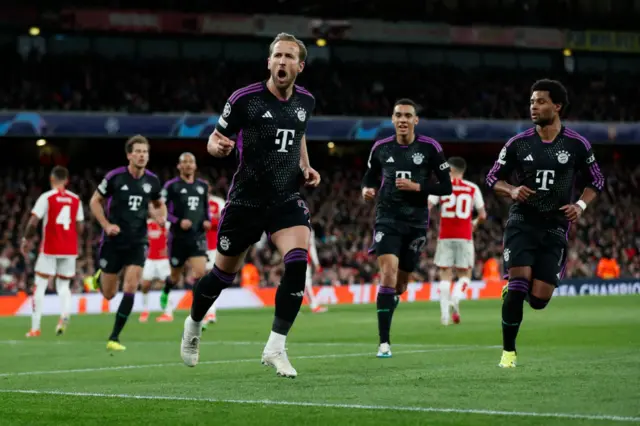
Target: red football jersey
[(216, 204), (456, 210), (60, 210), (157, 240)]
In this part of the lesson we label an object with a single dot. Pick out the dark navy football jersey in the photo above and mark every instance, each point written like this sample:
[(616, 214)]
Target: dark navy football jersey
[(269, 133), (128, 203), (418, 162), (186, 200), (550, 169)]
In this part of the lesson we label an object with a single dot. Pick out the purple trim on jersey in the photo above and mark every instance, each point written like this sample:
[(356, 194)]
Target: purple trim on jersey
[(170, 216), (114, 172), (381, 183), (233, 180), (382, 141), (426, 139), (576, 135), (594, 169), (202, 181), (171, 182), (253, 88), (239, 144), (169, 240), (150, 173), (373, 241), (491, 178), (107, 211), (303, 91)]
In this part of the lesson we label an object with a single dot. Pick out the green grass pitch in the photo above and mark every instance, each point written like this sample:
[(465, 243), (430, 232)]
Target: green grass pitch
[(579, 364)]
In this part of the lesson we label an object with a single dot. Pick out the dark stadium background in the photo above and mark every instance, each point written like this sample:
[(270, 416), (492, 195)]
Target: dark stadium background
[(134, 69)]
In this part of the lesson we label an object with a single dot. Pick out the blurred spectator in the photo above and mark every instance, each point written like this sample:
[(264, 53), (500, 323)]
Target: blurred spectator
[(342, 223), (91, 83)]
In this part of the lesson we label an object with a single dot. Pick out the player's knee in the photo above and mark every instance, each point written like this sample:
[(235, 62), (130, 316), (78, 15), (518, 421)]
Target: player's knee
[(108, 293), (518, 284), (537, 303), (295, 270), (216, 281), (198, 272)]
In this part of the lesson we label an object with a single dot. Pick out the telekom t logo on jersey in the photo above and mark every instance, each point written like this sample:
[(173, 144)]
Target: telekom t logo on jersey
[(402, 174), (284, 138), (135, 201), (544, 178), (193, 202)]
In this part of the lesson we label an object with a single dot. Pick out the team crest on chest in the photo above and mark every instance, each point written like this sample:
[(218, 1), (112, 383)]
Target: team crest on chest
[(146, 188), (418, 158), (200, 190), (302, 114), (563, 157)]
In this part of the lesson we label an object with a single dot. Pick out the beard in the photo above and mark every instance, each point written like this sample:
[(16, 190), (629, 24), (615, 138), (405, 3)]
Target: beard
[(543, 121)]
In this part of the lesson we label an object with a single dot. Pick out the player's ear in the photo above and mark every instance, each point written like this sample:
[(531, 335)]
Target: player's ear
[(269, 63), (415, 120), (301, 66)]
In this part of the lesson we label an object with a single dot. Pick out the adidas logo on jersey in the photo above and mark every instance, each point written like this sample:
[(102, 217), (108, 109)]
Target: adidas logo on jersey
[(267, 115), (390, 160), (124, 188), (184, 191), (528, 158)]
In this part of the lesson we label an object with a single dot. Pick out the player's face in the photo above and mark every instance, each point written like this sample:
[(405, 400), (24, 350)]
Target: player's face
[(543, 110), (404, 119), (284, 63), (187, 165), (139, 156)]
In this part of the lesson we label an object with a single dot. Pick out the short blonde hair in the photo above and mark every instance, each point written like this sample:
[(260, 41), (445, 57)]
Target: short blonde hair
[(134, 140), (288, 37)]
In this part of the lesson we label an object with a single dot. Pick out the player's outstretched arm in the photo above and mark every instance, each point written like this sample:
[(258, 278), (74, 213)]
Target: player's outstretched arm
[(219, 145)]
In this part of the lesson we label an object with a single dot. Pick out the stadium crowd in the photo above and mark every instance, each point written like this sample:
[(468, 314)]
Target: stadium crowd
[(92, 83), (342, 225), (574, 14)]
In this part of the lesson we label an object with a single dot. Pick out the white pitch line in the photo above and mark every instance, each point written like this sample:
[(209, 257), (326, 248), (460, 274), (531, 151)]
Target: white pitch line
[(267, 402), (230, 361)]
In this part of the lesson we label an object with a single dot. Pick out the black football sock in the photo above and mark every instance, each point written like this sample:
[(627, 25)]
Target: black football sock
[(385, 305), (512, 312), (126, 305), (168, 285), (207, 290), (290, 291), (396, 302)]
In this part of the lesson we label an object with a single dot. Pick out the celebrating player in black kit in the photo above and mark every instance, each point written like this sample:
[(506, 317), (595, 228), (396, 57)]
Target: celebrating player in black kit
[(545, 159), (405, 162), (270, 119), (129, 191), (187, 202)]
